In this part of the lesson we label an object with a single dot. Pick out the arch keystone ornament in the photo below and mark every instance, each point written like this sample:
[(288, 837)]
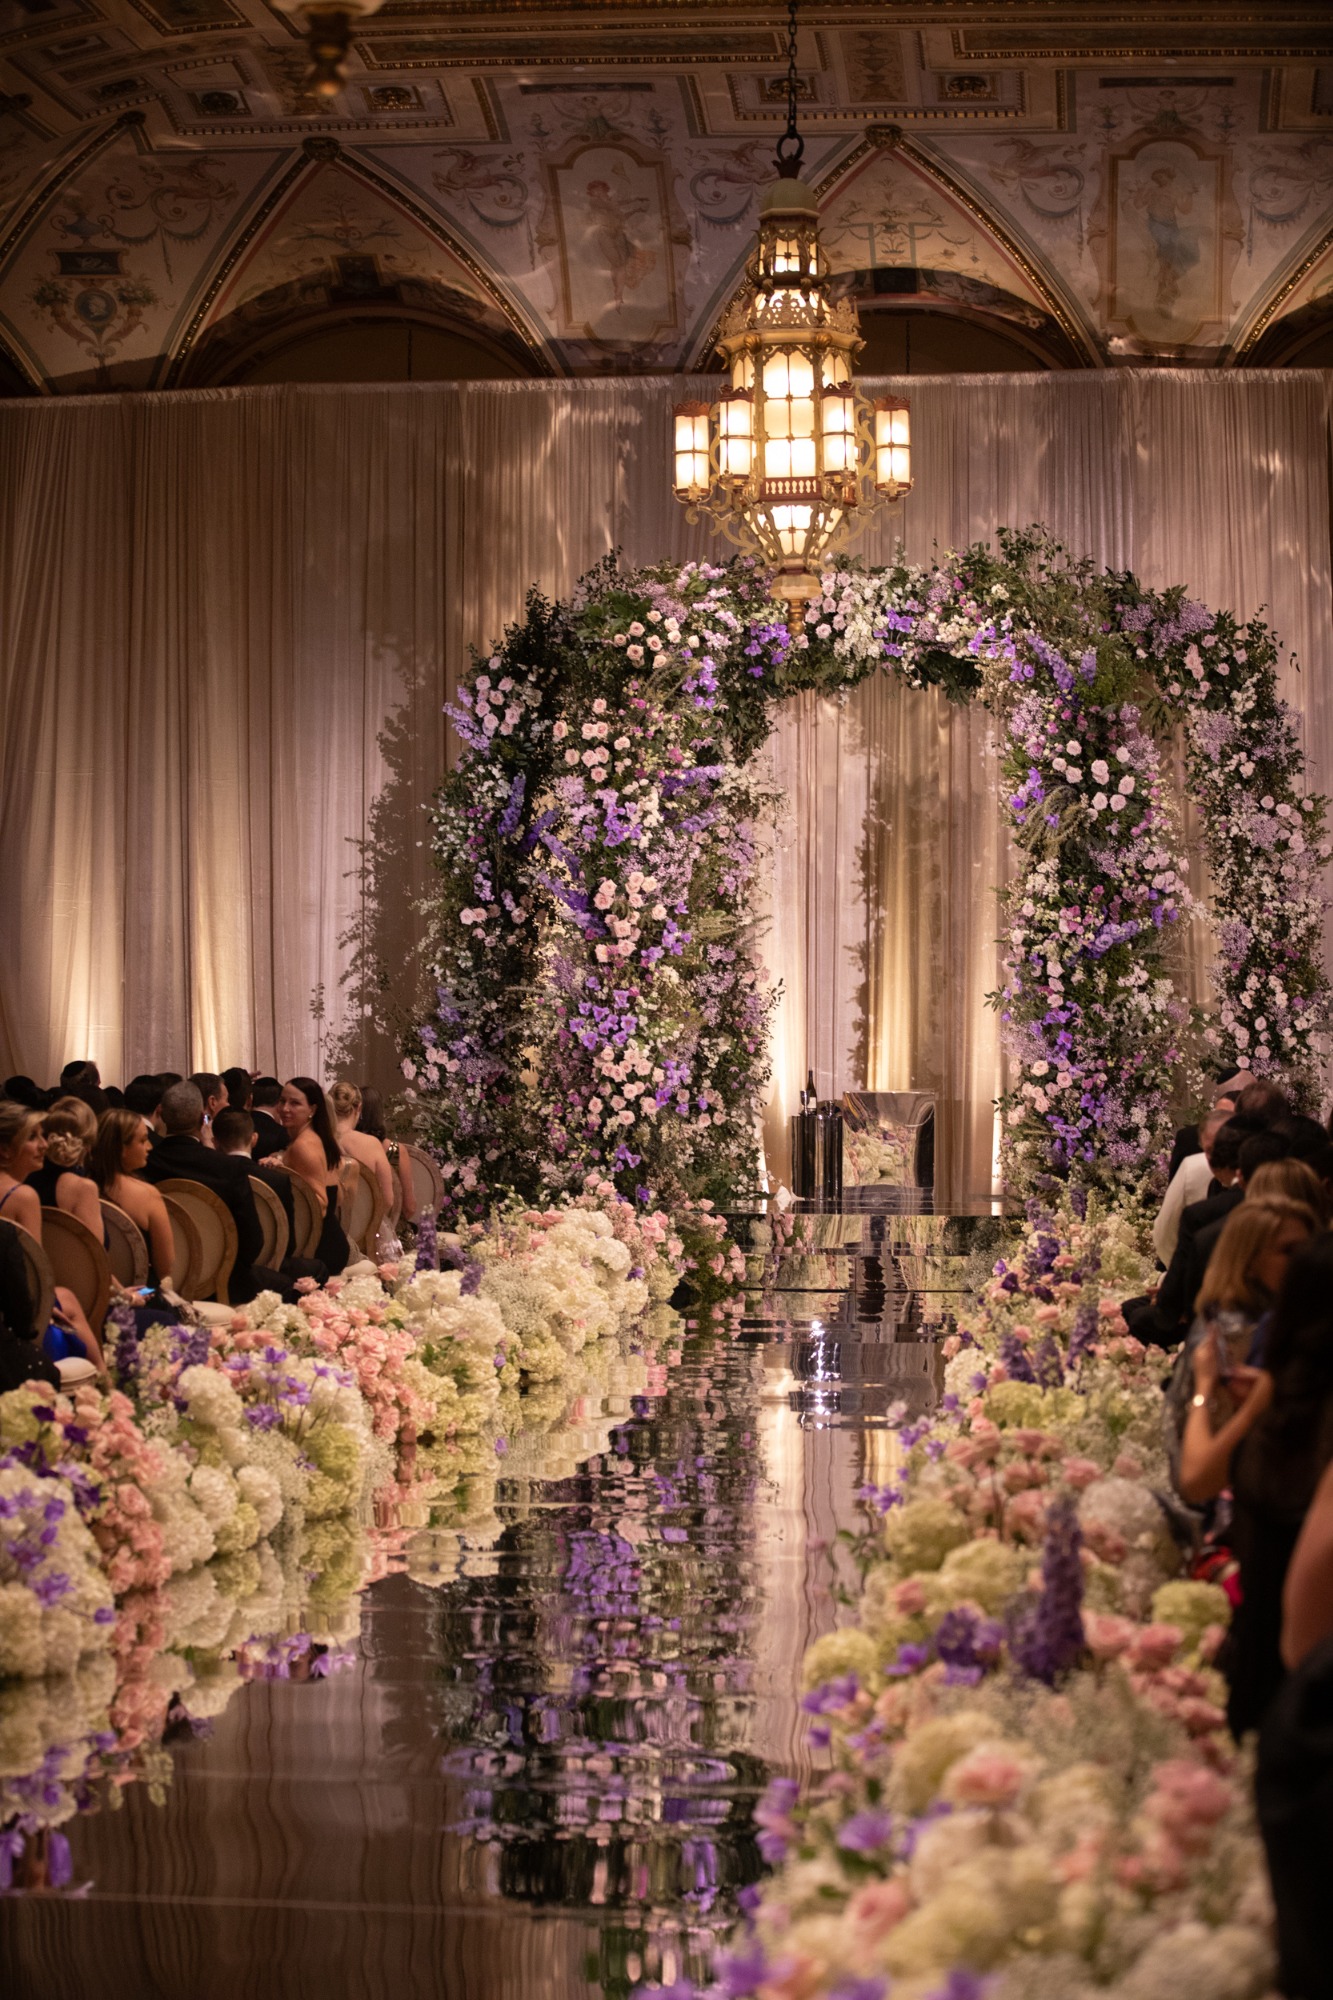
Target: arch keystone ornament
[(597, 1004)]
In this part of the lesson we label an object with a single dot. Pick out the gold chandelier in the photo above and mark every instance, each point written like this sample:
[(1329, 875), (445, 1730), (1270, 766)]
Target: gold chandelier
[(791, 460)]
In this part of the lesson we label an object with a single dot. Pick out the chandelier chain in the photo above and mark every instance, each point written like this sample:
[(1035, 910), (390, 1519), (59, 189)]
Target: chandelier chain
[(791, 146)]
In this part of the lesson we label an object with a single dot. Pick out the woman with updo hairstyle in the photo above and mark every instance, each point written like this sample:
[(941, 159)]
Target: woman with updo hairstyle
[(345, 1104), (121, 1152), (22, 1152), (314, 1155), (62, 1181)]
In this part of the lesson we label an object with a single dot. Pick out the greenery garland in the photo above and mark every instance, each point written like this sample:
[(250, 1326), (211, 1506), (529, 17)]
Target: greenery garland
[(597, 1000)]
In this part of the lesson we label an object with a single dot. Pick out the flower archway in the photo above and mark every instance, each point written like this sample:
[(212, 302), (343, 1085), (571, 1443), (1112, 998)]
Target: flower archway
[(597, 1001)]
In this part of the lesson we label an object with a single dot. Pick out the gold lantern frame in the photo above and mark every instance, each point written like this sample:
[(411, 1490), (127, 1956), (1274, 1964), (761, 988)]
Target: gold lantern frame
[(792, 460)]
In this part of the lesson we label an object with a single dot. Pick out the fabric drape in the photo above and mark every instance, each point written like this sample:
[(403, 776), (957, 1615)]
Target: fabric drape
[(229, 621)]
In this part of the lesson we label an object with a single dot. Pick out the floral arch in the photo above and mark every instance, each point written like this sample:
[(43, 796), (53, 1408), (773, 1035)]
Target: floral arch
[(596, 998)]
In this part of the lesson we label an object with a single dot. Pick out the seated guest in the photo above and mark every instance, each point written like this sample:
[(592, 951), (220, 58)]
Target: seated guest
[(21, 1357), (118, 1159), (81, 1079), (62, 1180), (269, 1135), (234, 1135), (166, 1077), (1294, 1180), (345, 1104), (1190, 1182), (214, 1093), (1168, 1318), (371, 1121), (1273, 1450), (239, 1086), (22, 1150), (22, 1090), (1263, 1100), (312, 1151), (144, 1095), (182, 1155)]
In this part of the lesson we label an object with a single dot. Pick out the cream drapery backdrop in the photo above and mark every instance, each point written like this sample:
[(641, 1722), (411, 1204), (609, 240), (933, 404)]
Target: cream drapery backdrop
[(229, 619)]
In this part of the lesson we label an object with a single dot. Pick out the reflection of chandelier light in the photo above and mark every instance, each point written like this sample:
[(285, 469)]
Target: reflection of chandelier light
[(328, 37), (791, 460)]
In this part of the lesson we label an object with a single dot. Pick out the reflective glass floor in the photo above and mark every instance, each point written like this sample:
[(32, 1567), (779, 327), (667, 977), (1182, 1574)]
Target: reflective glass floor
[(536, 1777)]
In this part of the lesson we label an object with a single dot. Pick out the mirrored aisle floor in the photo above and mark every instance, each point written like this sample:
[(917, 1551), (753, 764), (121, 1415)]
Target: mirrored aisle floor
[(536, 1778)]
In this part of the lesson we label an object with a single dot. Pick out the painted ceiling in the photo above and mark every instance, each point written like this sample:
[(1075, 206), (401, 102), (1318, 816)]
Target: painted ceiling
[(579, 183)]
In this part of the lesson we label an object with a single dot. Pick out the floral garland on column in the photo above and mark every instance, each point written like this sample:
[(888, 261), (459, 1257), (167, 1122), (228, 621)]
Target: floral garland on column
[(598, 1002)]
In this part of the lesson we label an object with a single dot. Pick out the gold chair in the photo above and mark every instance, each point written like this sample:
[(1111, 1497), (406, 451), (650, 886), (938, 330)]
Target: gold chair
[(41, 1280), (216, 1230), (125, 1247), (188, 1263), (273, 1222), (427, 1180), (78, 1262), (362, 1206), (308, 1213)]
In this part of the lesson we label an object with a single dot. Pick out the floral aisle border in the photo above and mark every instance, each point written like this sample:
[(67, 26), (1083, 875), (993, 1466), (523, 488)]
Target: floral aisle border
[(1031, 1790), (204, 1522), (598, 1001)]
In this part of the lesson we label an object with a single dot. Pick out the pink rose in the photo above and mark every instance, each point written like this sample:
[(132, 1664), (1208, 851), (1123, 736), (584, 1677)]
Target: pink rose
[(1107, 1635), (909, 1597), (1154, 1646), (875, 1910), (1081, 1472), (1046, 1315), (306, 1285), (989, 1776)]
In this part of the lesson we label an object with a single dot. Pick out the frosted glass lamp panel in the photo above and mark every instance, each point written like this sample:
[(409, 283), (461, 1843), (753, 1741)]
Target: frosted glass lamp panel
[(735, 437), (742, 371), (777, 455), (839, 420), (801, 375), (834, 369), (893, 445), (691, 451), (777, 376)]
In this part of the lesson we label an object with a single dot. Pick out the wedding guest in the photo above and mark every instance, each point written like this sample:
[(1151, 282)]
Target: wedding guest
[(22, 1090), (214, 1093), (22, 1150), (1201, 1224), (1295, 1179), (345, 1104), (182, 1155), (144, 1095), (63, 1180), (81, 1079), (21, 1357), (312, 1151), (1272, 1450), (118, 1159), (371, 1122), (1264, 1100), (234, 1135), (269, 1135), (239, 1086), (1189, 1183)]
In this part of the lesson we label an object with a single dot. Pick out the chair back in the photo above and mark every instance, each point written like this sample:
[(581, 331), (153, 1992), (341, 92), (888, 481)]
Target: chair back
[(217, 1235), (41, 1280), (125, 1246), (362, 1207), (273, 1222), (308, 1213), (188, 1262), (427, 1180), (79, 1262), (396, 1211)]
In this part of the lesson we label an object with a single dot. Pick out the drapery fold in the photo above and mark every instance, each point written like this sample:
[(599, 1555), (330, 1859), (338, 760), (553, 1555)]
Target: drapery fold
[(229, 621)]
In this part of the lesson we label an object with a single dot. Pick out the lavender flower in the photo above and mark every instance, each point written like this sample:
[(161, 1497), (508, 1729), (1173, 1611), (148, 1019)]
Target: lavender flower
[(427, 1240), (1048, 1637)]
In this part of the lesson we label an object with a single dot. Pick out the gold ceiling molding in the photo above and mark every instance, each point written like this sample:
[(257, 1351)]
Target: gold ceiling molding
[(892, 138), (324, 151), (1272, 309)]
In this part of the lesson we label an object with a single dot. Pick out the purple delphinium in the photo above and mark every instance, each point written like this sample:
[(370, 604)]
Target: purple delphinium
[(427, 1242), (1048, 1637), (121, 1315)]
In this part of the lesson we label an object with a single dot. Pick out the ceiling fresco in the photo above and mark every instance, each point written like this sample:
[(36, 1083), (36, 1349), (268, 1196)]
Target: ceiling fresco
[(576, 185)]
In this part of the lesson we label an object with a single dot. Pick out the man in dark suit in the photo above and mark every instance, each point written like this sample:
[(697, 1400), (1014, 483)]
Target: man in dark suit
[(234, 1135), (181, 1155), (269, 1135), (1201, 1223)]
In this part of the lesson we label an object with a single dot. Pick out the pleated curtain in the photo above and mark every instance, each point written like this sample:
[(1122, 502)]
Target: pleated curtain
[(229, 621)]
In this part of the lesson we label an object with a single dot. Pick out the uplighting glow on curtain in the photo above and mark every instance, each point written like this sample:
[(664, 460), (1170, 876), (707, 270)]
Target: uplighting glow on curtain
[(211, 605)]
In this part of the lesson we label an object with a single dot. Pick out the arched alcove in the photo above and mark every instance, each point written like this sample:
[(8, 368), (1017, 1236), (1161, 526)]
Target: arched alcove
[(370, 346)]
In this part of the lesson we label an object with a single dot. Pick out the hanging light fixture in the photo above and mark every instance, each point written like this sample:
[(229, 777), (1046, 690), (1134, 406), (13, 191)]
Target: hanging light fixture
[(328, 25), (791, 460)]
